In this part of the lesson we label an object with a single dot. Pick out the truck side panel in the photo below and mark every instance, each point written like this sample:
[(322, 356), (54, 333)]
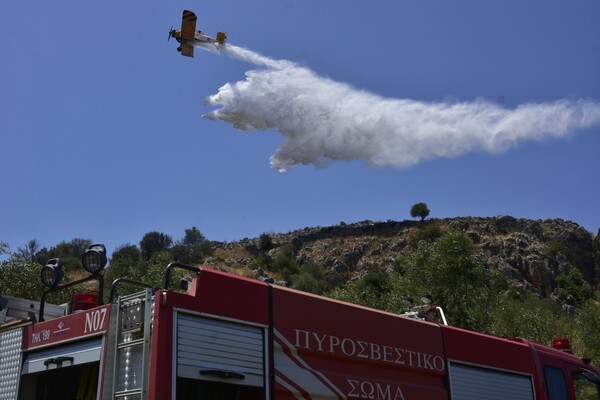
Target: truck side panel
[(479, 349), (214, 295), (326, 349), (482, 364)]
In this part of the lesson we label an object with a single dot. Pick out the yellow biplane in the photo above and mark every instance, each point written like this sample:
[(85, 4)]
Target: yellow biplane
[(188, 35)]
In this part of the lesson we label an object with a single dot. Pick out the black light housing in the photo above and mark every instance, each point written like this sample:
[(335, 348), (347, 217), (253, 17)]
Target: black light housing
[(94, 259), (52, 273)]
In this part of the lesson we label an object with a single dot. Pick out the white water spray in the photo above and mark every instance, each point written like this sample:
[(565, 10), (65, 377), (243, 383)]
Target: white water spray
[(323, 120)]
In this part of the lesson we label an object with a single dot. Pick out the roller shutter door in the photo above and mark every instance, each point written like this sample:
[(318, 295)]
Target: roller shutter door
[(77, 353), (474, 383), (221, 351)]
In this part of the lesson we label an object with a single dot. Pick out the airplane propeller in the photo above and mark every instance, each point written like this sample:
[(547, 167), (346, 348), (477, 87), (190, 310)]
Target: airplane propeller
[(170, 33)]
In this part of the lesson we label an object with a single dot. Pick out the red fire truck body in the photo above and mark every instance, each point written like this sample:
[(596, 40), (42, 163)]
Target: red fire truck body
[(230, 337)]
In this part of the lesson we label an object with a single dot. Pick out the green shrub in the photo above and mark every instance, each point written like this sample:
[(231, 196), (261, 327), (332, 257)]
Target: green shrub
[(311, 278), (586, 340), (572, 283), (376, 282), (556, 247), (427, 233), (529, 317), (285, 263)]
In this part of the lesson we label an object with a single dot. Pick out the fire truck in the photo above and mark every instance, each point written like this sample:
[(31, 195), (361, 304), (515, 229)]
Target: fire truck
[(231, 337)]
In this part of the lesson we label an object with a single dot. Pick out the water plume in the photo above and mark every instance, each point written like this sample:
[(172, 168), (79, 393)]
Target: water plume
[(323, 120)]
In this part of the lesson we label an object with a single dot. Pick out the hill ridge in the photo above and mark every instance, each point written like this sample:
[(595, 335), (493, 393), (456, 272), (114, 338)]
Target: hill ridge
[(530, 253)]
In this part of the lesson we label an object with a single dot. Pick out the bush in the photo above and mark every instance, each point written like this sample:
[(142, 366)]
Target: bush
[(261, 261), (428, 233), (311, 278), (20, 278), (375, 282), (69, 253), (192, 253), (572, 283), (586, 340), (529, 317), (285, 263), (265, 243), (450, 271), (556, 247), (154, 242)]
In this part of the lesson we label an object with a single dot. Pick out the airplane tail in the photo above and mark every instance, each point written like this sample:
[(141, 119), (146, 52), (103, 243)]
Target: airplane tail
[(221, 37)]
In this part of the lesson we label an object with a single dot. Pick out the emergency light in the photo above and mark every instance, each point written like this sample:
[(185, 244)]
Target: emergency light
[(52, 272), (562, 344), (94, 259), (83, 301)]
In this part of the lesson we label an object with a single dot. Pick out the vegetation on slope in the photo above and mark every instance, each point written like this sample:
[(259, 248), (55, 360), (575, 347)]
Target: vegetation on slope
[(376, 265)]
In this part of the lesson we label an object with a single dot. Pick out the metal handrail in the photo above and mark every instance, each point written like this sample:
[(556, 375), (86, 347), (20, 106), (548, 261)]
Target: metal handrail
[(118, 281), (167, 273)]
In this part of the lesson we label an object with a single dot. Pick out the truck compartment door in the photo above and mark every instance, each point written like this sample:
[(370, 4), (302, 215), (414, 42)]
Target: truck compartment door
[(470, 383), (66, 371), (63, 356), (219, 351)]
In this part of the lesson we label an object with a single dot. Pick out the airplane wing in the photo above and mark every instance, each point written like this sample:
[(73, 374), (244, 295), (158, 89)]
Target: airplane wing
[(187, 49), (188, 26)]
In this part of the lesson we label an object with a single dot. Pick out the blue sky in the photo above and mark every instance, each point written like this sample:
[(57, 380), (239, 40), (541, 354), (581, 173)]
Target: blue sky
[(102, 135)]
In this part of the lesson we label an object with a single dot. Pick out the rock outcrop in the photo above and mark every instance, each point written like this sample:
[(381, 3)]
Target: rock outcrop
[(529, 253)]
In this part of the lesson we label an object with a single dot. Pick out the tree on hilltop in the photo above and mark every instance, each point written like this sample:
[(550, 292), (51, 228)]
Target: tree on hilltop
[(419, 210)]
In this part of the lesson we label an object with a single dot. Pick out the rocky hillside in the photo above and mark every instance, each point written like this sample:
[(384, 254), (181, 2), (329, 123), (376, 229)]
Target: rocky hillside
[(530, 253)]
